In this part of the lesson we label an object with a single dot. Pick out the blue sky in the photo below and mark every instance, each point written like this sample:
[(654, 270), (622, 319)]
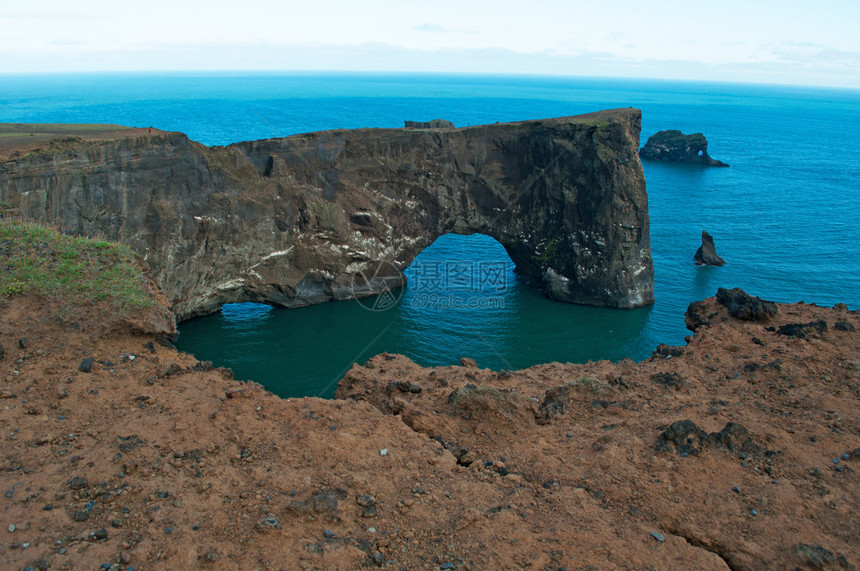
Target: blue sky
[(766, 41)]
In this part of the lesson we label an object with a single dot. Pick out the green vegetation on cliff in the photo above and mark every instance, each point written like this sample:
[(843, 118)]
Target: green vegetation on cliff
[(80, 271)]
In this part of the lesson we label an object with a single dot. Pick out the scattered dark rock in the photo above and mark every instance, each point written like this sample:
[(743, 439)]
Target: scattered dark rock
[(98, 534), (434, 124), (270, 522), (734, 437), (675, 146), (817, 557), (707, 252), (2, 352), (664, 351), (673, 380), (414, 389), (129, 443), (78, 483), (80, 515), (803, 330), (744, 306), (555, 401), (844, 326), (172, 369), (658, 536), (201, 366), (329, 534), (685, 438), (365, 500), (378, 559), (23, 342), (86, 365), (325, 503), (463, 455), (166, 340), (695, 316), (401, 386)]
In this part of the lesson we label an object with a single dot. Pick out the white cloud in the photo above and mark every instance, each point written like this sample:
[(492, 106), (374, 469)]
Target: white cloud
[(618, 37)]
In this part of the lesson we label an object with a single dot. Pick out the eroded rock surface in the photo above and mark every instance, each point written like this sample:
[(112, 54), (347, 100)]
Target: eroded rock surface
[(675, 146), (311, 218)]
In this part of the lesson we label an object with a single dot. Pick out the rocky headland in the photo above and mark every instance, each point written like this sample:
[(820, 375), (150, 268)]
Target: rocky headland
[(738, 450), (675, 146), (308, 218)]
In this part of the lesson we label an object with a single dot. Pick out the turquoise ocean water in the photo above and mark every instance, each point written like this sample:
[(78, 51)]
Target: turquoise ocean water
[(784, 216)]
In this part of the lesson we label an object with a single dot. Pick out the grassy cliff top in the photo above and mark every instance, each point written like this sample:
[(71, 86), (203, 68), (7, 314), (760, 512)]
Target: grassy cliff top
[(78, 272), (19, 139)]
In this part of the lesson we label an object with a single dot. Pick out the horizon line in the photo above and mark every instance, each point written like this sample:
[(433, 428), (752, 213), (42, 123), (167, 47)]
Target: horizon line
[(371, 72)]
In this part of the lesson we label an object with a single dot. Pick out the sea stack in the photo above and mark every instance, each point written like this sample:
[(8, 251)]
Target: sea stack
[(707, 253), (677, 147)]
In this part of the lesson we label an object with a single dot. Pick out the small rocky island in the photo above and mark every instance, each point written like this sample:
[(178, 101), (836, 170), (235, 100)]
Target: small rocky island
[(707, 253), (675, 146)]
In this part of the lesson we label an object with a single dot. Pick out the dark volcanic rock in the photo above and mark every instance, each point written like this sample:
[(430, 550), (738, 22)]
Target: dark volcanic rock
[(434, 124), (677, 147), (744, 306), (664, 351), (803, 330), (694, 317), (339, 214), (86, 365), (817, 557), (707, 252), (685, 437), (673, 380)]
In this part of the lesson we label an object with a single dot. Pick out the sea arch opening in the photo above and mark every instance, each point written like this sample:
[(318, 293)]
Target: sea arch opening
[(460, 272)]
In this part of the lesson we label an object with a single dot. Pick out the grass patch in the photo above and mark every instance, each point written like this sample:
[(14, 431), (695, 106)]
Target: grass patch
[(459, 394), (78, 271)]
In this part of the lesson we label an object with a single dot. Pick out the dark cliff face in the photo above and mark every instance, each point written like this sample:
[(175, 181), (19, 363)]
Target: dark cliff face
[(293, 221), (677, 147)]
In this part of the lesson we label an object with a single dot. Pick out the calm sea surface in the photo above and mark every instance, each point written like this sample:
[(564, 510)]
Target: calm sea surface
[(784, 216)]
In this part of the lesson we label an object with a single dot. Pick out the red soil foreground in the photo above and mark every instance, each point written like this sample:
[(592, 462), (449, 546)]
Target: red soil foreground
[(152, 460)]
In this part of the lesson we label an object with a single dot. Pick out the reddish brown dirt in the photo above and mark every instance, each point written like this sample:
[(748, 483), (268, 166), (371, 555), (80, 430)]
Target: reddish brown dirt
[(186, 468)]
